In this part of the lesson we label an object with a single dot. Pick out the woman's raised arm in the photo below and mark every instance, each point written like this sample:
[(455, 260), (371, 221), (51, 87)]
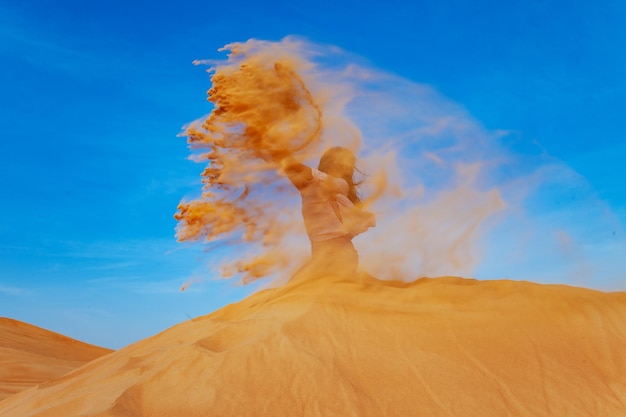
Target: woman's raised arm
[(298, 173)]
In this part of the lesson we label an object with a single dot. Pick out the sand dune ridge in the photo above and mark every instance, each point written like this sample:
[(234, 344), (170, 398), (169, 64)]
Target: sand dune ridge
[(336, 347)]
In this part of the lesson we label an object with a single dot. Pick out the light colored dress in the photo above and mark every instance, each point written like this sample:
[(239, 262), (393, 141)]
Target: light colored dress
[(328, 212)]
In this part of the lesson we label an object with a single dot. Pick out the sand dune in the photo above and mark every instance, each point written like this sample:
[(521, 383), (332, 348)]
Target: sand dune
[(30, 355), (328, 347)]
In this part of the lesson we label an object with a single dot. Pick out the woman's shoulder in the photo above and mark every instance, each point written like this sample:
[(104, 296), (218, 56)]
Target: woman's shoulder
[(318, 175), (330, 183)]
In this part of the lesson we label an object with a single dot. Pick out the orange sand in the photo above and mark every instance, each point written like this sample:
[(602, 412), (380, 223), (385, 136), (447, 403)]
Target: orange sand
[(30, 355), (328, 347), (262, 107), (425, 169)]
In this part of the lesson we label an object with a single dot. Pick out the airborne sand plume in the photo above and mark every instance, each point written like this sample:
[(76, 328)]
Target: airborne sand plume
[(262, 105), (272, 96), (450, 197)]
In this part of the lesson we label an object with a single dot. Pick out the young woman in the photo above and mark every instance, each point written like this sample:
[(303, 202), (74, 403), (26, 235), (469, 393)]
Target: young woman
[(330, 208)]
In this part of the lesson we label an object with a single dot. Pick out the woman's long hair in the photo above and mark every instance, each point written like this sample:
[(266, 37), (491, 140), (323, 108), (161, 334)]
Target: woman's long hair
[(343, 156)]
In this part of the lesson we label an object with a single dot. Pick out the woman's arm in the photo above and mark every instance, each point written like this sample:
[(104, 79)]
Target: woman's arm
[(299, 174)]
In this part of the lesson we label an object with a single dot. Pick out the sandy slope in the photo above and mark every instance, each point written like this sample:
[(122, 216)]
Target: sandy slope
[(435, 347), (30, 355)]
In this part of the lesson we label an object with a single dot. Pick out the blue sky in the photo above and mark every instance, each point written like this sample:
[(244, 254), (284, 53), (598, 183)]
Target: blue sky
[(93, 95)]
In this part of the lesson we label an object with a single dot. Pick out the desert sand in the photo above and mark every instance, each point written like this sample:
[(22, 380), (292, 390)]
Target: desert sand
[(333, 347), (30, 355)]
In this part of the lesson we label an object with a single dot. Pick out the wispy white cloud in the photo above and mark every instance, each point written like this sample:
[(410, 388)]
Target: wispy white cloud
[(113, 280), (111, 266), (141, 266), (142, 285), (126, 250), (13, 291)]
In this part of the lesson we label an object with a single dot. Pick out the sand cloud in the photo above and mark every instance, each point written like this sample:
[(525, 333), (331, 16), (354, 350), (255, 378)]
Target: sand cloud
[(448, 194)]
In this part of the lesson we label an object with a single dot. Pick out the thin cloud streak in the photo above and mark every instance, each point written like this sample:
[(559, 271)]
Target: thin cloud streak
[(13, 291)]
